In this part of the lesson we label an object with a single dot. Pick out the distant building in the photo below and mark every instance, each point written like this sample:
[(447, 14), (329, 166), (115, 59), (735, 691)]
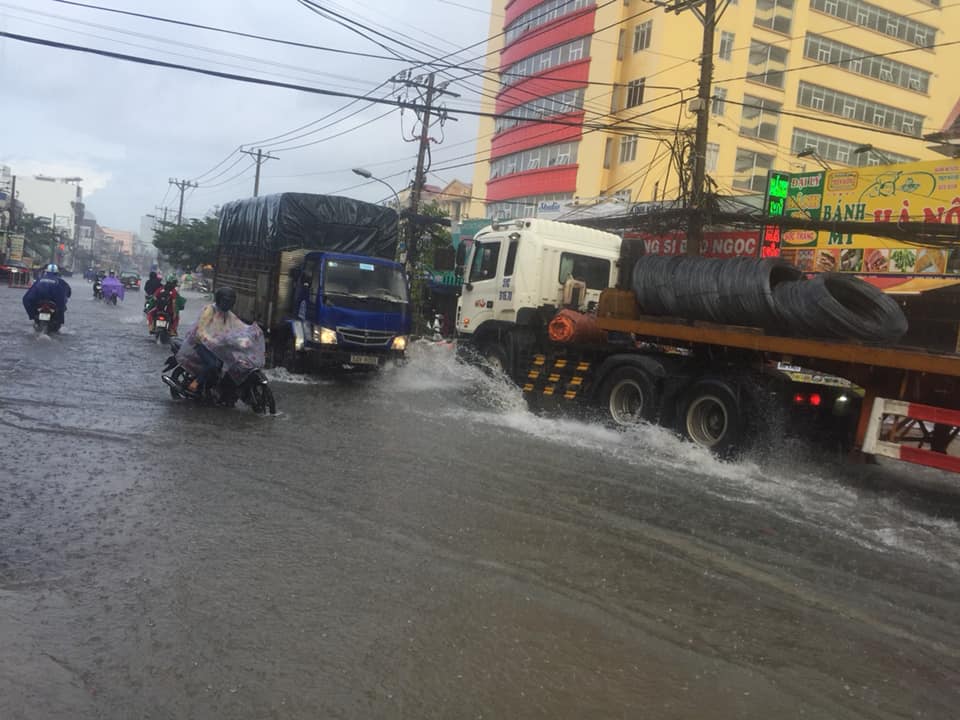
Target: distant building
[(58, 199), (454, 198), (124, 240)]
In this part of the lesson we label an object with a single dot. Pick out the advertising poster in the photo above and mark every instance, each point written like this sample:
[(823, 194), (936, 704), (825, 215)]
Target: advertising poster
[(927, 191)]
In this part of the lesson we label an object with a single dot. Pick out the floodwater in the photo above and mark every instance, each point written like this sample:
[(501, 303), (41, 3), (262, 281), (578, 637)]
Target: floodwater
[(418, 545)]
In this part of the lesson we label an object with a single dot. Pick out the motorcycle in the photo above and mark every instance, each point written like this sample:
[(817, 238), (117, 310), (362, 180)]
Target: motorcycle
[(97, 289), (242, 381), (161, 327), (46, 320), (111, 299)]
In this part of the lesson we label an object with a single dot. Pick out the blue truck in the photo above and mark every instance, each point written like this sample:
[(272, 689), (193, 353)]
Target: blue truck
[(317, 273)]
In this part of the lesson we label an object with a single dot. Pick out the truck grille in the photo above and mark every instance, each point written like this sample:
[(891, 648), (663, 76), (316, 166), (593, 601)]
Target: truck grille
[(366, 338)]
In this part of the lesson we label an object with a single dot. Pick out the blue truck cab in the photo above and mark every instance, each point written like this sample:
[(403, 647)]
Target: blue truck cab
[(317, 273), (350, 309)]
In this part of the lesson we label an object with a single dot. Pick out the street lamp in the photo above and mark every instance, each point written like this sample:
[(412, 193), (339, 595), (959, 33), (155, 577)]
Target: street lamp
[(812, 153), (868, 148), (362, 172)]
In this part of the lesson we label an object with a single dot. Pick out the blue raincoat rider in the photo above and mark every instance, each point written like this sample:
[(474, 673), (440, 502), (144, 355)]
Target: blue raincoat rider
[(49, 286)]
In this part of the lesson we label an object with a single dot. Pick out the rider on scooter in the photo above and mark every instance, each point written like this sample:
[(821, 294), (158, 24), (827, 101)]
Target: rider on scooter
[(215, 319), (111, 287), (50, 286)]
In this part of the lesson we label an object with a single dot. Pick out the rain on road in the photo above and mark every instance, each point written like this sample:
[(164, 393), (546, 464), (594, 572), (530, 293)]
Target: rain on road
[(419, 545)]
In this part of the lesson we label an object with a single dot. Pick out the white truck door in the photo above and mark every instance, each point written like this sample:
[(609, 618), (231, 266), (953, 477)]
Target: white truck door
[(478, 297)]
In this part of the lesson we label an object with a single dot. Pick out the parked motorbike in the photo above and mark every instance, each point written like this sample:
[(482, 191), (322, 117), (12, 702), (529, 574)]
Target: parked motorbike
[(46, 320), (246, 384), (97, 289)]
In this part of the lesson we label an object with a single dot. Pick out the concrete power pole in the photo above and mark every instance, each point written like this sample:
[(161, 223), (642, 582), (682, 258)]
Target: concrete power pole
[(706, 11), (260, 159), (181, 185)]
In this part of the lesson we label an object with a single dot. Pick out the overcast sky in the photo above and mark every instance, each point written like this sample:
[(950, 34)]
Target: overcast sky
[(127, 128)]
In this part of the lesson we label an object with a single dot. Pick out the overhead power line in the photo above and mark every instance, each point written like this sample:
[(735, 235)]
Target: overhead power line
[(270, 83)]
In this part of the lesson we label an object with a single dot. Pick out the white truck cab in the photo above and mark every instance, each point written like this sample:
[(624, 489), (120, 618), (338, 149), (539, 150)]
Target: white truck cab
[(515, 278)]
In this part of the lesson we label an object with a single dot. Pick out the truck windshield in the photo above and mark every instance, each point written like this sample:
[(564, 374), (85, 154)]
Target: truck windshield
[(364, 282)]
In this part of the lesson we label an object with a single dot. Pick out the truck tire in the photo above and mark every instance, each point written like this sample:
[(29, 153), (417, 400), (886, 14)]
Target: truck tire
[(629, 396), (711, 416), (495, 356)]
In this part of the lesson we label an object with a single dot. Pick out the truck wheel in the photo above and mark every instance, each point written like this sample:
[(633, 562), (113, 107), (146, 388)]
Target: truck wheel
[(711, 417), (495, 355), (629, 396)]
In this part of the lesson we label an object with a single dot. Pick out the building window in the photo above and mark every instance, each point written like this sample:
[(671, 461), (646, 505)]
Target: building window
[(760, 118), (726, 45), (641, 36), (621, 44), (837, 150), (607, 153), (541, 157), (751, 170), (542, 14), (857, 108), (524, 206), (712, 157), (559, 104), (628, 148), (767, 64), (635, 92), (544, 60), (774, 15), (847, 57), (873, 17), (719, 105)]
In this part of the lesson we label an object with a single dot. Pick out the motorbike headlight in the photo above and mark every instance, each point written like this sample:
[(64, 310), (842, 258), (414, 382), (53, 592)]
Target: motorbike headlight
[(399, 343), (324, 336)]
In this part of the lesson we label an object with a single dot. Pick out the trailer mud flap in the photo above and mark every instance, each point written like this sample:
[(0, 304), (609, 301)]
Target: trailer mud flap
[(557, 377)]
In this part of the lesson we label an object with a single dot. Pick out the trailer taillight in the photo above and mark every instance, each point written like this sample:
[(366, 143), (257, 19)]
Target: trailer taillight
[(813, 399)]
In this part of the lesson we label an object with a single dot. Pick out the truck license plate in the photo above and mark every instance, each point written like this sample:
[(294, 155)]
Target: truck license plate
[(44, 316), (364, 360)]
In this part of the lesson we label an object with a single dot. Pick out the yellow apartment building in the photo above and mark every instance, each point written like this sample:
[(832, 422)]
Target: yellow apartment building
[(797, 84)]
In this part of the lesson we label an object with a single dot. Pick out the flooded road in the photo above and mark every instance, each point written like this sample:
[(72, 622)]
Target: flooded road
[(418, 545)]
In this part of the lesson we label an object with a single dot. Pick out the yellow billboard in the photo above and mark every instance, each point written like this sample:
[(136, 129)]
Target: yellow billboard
[(927, 191)]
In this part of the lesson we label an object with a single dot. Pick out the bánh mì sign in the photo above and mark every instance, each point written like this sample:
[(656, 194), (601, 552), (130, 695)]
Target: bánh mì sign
[(927, 191)]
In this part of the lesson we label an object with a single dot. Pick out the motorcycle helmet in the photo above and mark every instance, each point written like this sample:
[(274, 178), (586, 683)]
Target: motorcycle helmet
[(52, 268), (111, 273), (225, 298), (171, 278)]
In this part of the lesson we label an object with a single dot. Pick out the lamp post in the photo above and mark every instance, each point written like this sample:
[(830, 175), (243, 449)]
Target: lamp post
[(812, 153), (364, 173), (868, 148)]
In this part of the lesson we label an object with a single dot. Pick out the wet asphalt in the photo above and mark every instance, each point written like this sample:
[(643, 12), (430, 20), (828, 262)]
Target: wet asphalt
[(418, 545)]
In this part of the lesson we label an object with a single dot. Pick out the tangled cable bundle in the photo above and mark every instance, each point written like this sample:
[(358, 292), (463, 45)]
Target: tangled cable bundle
[(769, 293)]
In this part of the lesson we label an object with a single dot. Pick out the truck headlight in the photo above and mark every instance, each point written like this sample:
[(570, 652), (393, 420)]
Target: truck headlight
[(324, 336), (399, 343)]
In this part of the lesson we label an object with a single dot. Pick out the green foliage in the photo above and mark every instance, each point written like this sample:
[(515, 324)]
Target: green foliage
[(189, 245), (432, 237)]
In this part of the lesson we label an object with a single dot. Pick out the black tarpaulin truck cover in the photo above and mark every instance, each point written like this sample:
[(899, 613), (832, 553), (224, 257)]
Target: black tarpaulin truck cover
[(264, 225)]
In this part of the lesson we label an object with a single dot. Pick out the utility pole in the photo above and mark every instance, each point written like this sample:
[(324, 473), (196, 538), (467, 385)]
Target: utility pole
[(706, 11), (260, 159), (181, 185), (427, 90)]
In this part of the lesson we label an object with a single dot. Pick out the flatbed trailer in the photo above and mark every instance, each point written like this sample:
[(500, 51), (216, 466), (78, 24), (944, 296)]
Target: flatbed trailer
[(908, 392)]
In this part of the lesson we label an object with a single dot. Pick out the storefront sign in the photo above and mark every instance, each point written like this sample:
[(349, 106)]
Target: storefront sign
[(927, 191)]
